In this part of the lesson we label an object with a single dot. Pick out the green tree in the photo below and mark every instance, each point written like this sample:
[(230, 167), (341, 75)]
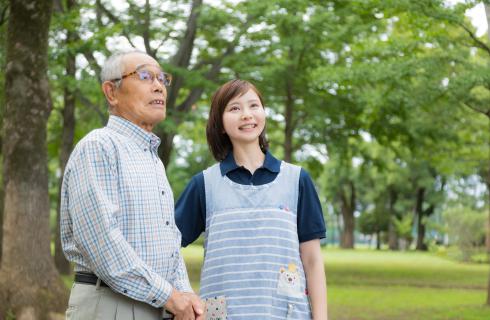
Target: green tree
[(394, 86)]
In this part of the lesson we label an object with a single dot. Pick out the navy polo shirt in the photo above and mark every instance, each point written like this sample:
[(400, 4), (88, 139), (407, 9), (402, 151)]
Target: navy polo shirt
[(190, 210)]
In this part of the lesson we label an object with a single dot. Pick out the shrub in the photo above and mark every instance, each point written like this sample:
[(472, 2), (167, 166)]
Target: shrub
[(466, 228)]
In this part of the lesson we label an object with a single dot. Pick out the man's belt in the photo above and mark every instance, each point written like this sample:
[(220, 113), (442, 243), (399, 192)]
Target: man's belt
[(88, 278)]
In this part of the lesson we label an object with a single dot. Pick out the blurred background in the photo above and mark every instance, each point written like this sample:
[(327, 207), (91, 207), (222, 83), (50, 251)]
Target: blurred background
[(385, 103)]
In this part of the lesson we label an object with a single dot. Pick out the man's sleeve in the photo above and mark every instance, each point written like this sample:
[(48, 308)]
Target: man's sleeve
[(94, 208), (182, 279), (311, 224), (190, 210)]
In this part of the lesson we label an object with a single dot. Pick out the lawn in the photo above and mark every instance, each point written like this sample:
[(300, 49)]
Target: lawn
[(368, 285)]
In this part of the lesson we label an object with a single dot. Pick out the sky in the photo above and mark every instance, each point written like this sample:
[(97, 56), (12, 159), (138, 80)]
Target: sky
[(477, 16)]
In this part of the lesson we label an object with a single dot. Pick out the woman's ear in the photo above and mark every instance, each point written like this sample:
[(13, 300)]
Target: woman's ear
[(109, 89)]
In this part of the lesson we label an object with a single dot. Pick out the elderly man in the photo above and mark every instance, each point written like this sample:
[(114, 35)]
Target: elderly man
[(117, 208)]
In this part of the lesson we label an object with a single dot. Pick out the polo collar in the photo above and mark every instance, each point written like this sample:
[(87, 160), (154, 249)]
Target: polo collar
[(229, 164), (130, 130)]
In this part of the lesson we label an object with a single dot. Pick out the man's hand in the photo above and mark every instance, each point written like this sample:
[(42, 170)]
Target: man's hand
[(198, 306), (185, 306)]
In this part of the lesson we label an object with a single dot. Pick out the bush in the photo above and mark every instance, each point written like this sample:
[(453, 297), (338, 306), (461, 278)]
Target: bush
[(403, 227), (466, 228)]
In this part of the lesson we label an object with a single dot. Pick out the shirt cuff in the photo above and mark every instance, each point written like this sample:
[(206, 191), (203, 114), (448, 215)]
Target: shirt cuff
[(184, 286), (160, 293), (311, 236)]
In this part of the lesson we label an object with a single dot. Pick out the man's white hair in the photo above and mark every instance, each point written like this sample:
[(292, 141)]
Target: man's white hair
[(113, 67)]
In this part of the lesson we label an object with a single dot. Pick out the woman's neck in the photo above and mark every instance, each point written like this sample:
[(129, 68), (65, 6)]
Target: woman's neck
[(249, 156)]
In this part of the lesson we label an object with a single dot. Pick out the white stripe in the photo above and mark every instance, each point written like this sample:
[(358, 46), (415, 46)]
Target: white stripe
[(239, 289), (278, 219), (254, 229), (262, 314), (274, 281), (237, 272), (251, 247), (246, 263), (253, 314), (262, 297), (262, 305), (237, 281), (246, 255), (248, 238), (224, 213)]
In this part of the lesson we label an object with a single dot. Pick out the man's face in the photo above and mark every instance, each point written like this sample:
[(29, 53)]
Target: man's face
[(142, 102)]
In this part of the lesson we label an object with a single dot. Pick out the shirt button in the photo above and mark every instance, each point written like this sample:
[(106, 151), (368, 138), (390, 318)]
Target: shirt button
[(154, 300), (163, 192), (145, 149), (125, 291), (167, 223)]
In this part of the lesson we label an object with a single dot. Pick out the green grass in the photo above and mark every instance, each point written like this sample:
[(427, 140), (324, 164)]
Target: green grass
[(369, 285), (415, 269)]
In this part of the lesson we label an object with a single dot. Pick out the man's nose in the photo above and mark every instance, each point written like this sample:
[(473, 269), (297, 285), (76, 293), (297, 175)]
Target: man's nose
[(158, 86)]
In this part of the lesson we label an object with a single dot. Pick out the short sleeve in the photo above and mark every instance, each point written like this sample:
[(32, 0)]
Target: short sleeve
[(311, 224), (190, 210)]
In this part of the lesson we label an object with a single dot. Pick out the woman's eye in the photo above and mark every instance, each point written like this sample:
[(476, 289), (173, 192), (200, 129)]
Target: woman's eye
[(254, 105), (234, 108)]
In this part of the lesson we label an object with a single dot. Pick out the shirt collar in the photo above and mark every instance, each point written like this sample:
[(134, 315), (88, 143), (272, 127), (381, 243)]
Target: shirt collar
[(128, 129), (229, 164)]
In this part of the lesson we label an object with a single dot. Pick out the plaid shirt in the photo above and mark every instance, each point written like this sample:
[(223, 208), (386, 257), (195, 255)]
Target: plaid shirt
[(117, 214)]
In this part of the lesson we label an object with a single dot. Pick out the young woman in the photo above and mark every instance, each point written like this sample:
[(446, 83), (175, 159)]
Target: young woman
[(261, 218)]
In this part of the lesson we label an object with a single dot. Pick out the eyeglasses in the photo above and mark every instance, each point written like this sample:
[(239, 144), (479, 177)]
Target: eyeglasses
[(149, 76)]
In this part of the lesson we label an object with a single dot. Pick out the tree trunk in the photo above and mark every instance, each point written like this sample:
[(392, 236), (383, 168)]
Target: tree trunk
[(180, 60), (392, 235), (30, 285), (487, 14), (2, 195), (488, 290), (487, 238), (67, 135), (288, 116), (347, 210), (378, 240), (166, 146), (3, 33), (419, 218), (339, 229)]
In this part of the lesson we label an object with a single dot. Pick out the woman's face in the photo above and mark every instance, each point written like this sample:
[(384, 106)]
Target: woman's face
[(244, 118)]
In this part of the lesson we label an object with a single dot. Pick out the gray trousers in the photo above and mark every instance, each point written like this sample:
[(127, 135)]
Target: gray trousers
[(91, 302)]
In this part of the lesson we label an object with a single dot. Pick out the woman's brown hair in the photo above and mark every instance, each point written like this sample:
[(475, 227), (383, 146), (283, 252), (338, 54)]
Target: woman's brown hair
[(218, 141)]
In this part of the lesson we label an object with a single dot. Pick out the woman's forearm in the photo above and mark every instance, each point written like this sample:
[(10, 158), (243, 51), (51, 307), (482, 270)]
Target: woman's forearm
[(315, 278)]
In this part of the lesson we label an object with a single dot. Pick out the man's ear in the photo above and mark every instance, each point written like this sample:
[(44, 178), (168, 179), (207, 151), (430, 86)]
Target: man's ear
[(109, 89)]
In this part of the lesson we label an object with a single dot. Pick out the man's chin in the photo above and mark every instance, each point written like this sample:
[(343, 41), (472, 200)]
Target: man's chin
[(159, 118), (158, 115)]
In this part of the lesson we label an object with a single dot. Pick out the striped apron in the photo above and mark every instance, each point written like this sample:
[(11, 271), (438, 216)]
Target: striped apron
[(252, 266)]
